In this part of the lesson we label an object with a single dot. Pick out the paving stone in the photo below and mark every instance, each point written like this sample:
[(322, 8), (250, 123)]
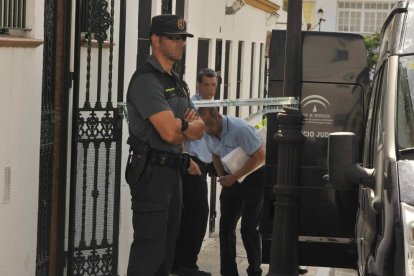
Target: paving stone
[(209, 260)]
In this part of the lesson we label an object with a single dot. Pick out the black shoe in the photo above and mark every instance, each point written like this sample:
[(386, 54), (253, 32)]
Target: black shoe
[(184, 271)]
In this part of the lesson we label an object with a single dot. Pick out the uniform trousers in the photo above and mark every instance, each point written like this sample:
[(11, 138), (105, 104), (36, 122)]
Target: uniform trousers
[(156, 204), (194, 218), (242, 200)]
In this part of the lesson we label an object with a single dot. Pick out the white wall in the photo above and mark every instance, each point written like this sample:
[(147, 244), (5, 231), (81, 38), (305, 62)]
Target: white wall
[(207, 19), (20, 106)]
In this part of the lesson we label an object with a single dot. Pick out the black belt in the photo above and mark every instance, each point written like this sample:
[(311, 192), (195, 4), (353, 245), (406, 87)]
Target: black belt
[(158, 157), (163, 159)]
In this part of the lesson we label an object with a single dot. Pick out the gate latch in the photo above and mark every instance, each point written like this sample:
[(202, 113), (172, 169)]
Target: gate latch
[(122, 110)]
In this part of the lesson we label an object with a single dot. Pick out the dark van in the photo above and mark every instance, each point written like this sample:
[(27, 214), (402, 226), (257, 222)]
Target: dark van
[(385, 174), (335, 93)]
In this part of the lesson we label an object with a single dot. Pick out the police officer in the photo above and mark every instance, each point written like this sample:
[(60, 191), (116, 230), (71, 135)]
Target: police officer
[(161, 117), (195, 195), (244, 199)]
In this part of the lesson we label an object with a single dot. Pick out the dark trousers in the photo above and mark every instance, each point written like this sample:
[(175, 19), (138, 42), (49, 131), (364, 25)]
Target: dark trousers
[(243, 200), (156, 204), (194, 218)]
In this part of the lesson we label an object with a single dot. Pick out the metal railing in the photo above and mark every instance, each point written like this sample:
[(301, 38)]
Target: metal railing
[(12, 14)]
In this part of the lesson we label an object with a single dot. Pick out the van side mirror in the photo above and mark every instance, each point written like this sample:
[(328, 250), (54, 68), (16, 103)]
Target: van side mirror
[(343, 162)]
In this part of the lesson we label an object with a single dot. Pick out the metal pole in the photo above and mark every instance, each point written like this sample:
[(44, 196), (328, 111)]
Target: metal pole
[(284, 248), (293, 53)]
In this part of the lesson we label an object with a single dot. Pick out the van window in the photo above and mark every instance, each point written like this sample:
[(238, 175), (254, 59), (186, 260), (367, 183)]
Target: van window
[(405, 99)]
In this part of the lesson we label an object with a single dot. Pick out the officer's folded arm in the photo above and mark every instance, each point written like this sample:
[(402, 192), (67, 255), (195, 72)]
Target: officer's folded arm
[(167, 126), (195, 130)]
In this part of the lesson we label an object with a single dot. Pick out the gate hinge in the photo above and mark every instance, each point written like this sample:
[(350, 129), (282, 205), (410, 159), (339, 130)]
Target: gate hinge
[(71, 79), (65, 258)]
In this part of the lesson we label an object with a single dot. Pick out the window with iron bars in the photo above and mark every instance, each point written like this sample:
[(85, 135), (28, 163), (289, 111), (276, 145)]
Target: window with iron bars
[(365, 17), (12, 15)]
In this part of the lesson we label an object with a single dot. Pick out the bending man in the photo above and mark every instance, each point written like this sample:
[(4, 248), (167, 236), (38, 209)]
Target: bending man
[(237, 199)]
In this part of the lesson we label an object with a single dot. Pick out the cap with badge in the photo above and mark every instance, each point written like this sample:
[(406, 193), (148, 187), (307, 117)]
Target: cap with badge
[(169, 24)]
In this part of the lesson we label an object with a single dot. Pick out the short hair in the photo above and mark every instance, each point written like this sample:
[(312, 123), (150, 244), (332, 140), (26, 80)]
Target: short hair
[(206, 72), (212, 111)]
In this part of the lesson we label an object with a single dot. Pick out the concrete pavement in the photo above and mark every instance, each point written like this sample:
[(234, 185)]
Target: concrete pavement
[(209, 260)]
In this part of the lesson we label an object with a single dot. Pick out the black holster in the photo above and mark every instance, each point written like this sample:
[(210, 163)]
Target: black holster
[(137, 161), (140, 154)]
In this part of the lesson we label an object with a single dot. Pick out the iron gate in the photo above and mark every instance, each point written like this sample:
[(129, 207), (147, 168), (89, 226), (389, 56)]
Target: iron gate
[(96, 139), (46, 141)]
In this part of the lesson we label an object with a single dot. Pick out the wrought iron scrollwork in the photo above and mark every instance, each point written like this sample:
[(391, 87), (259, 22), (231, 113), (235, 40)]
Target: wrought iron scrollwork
[(96, 144), (95, 126), (100, 19)]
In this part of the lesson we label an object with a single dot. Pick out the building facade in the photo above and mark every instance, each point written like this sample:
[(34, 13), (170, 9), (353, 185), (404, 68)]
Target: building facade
[(357, 16)]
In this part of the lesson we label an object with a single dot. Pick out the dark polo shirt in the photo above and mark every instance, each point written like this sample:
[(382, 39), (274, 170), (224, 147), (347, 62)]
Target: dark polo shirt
[(146, 96)]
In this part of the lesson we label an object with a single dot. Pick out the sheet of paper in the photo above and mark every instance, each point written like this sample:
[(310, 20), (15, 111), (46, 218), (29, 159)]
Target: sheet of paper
[(235, 159)]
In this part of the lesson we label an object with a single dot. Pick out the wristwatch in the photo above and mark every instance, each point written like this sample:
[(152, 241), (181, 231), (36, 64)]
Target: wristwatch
[(184, 124)]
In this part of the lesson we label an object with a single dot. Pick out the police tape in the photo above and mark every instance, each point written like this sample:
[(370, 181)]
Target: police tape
[(257, 119), (271, 105), (274, 101)]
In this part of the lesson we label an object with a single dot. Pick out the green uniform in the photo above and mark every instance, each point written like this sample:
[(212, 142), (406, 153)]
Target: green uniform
[(156, 194)]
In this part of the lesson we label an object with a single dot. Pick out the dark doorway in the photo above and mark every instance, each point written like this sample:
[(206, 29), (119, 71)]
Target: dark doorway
[(262, 81), (166, 7), (144, 25), (239, 74), (179, 7), (252, 61), (217, 67), (226, 73), (213, 179), (202, 54)]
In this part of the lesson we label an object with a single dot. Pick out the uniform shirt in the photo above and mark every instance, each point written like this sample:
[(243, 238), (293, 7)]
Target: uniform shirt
[(235, 133), (146, 97), (198, 148)]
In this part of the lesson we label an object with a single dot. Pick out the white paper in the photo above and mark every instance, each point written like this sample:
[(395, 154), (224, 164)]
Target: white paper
[(236, 159)]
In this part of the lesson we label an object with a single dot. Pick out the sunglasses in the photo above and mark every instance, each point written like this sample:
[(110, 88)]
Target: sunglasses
[(176, 37)]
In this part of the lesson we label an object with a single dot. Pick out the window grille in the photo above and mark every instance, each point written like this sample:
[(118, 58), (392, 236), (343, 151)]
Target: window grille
[(12, 14), (362, 17)]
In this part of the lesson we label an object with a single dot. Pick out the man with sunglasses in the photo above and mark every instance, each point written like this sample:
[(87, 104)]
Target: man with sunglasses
[(161, 117)]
